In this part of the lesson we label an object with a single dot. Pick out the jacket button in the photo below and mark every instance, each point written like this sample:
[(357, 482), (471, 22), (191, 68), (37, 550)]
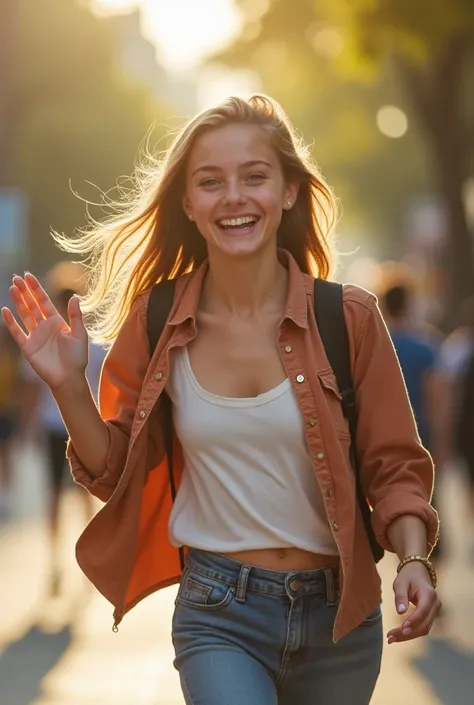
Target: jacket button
[(158, 376), (329, 492), (300, 378), (320, 456), (288, 348), (312, 420), (142, 414), (335, 526)]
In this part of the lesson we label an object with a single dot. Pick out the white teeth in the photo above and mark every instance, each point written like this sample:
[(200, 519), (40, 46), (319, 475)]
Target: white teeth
[(236, 222)]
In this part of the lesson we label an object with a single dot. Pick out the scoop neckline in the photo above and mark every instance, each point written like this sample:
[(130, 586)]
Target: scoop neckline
[(259, 400)]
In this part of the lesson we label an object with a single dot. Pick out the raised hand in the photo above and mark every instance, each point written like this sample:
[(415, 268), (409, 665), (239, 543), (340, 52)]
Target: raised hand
[(56, 350)]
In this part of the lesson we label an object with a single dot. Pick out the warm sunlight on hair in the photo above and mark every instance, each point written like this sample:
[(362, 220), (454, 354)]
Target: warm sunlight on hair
[(148, 237)]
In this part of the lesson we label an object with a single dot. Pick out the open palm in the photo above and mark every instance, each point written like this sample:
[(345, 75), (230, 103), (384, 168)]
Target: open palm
[(56, 350)]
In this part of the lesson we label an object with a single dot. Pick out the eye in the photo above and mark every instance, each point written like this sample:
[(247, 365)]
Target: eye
[(209, 182), (255, 177)]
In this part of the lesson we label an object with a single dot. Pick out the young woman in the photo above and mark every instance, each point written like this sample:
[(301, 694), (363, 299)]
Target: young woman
[(279, 597)]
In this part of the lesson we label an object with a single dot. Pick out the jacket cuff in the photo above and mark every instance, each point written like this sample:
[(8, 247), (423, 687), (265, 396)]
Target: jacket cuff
[(397, 505), (101, 487)]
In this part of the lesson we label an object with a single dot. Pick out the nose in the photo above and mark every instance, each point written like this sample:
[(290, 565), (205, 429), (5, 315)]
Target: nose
[(233, 194)]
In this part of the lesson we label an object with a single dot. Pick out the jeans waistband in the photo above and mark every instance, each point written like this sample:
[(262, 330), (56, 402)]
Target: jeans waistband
[(246, 578)]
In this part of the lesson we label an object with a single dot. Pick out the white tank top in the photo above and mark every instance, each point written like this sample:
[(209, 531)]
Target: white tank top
[(248, 481)]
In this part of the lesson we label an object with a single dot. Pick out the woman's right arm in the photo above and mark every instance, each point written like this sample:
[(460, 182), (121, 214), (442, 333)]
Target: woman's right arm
[(88, 433), (121, 382), (58, 353)]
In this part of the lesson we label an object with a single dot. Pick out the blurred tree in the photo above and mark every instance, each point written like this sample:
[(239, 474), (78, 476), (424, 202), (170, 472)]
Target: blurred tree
[(431, 46), (427, 45), (80, 121), (338, 115), (8, 13)]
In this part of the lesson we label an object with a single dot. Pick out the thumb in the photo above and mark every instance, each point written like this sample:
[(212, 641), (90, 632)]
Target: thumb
[(76, 323), (401, 596)]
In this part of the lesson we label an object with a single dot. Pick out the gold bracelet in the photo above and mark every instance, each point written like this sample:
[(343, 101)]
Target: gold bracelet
[(426, 562)]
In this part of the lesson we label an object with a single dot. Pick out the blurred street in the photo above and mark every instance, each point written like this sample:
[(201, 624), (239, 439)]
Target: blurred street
[(63, 651), (95, 96)]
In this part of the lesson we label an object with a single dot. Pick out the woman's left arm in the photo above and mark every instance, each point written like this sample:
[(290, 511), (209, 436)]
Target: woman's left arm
[(396, 472)]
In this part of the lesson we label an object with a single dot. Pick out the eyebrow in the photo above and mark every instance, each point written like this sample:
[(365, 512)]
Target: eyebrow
[(245, 165)]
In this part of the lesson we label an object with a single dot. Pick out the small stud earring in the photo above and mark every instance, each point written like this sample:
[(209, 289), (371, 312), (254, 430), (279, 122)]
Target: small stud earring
[(191, 217), (288, 203)]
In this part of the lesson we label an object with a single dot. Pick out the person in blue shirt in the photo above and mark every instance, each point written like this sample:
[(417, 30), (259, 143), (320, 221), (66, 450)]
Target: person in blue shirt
[(417, 354)]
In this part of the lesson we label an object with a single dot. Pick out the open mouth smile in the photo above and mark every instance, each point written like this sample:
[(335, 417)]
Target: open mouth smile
[(241, 224)]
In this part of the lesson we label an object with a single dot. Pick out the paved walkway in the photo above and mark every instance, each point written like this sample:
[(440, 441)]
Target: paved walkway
[(63, 652)]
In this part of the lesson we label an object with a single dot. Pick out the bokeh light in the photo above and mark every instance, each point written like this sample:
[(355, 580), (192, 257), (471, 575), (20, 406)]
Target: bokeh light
[(392, 121)]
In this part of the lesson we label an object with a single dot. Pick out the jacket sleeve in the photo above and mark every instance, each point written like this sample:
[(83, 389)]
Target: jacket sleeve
[(120, 385), (397, 473)]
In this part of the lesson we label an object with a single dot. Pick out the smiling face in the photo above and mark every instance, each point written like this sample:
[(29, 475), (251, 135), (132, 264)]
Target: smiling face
[(235, 189)]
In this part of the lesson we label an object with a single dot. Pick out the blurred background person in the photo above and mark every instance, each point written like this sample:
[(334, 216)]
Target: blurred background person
[(9, 387), (459, 345), (417, 354), (463, 432), (456, 370), (40, 415)]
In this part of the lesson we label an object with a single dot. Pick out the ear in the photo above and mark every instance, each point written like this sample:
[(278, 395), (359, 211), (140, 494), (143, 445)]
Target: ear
[(290, 195), (186, 203)]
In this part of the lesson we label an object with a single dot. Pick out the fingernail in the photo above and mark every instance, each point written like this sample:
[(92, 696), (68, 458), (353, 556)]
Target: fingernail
[(401, 607), (406, 631)]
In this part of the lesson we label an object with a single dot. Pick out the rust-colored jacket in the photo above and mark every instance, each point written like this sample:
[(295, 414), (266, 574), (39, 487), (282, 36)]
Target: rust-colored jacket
[(125, 549)]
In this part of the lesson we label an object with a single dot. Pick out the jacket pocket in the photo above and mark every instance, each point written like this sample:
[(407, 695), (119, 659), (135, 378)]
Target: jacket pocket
[(334, 403), (203, 593)]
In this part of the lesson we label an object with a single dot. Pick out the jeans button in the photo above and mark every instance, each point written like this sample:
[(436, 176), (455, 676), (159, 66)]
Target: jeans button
[(296, 584)]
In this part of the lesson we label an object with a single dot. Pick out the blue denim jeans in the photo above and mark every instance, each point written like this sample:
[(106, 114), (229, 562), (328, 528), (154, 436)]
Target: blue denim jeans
[(249, 636)]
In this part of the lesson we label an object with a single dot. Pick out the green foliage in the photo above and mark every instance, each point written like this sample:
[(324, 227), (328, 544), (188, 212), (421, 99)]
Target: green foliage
[(330, 63), (419, 30), (372, 175)]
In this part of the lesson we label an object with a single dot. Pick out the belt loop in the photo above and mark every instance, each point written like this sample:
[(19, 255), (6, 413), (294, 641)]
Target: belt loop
[(242, 583), (331, 594)]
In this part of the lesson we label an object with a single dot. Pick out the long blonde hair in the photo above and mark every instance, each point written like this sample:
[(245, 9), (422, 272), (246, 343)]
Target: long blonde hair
[(148, 237)]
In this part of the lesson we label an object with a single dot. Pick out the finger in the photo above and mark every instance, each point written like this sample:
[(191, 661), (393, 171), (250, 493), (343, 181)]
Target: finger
[(400, 589), (30, 301), (425, 626), (397, 635), (46, 305), (421, 612), (22, 309), (17, 333), (76, 322)]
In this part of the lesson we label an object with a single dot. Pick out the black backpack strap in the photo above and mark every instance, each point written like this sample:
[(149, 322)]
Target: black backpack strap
[(159, 308), (329, 312)]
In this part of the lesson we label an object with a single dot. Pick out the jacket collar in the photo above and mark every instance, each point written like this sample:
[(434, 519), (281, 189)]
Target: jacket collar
[(296, 305)]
